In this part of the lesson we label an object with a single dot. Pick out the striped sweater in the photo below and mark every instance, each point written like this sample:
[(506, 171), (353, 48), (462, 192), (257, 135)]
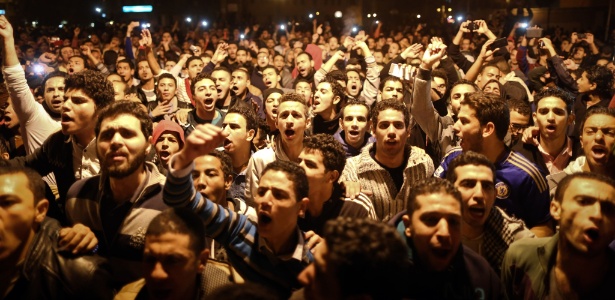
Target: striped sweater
[(387, 200)]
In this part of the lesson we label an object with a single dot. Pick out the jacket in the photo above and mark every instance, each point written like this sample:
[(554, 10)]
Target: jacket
[(47, 274)]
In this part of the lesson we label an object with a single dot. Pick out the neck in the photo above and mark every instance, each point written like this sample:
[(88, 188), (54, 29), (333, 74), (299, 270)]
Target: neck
[(206, 115), (293, 150), (318, 197), (148, 85), (123, 188), (356, 145), (593, 99), (240, 159), (605, 170), (84, 138), (493, 150), (228, 99), (390, 161), (271, 124), (554, 146), (328, 114), (580, 273), (286, 243), (471, 232)]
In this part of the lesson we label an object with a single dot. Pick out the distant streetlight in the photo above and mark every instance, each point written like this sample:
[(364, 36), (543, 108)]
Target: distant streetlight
[(98, 9), (204, 23), (418, 16), (338, 14), (311, 16), (188, 19)]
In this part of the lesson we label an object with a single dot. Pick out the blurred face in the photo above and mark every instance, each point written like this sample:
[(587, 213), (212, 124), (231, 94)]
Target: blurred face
[(66, 53), (19, 216), (552, 118), (465, 45), (124, 70), (354, 85), (10, 118), (304, 65), (239, 83), (393, 89), (262, 59), (271, 78), (354, 124), (518, 123), (167, 145), (171, 266), (390, 132), (195, 67), (492, 88), (145, 73), (205, 95), (78, 111), (304, 89), (312, 162), (586, 216), (278, 62), (469, 130), (209, 179), (54, 93), (475, 183), (277, 206), (319, 278), (435, 229), (239, 137), (292, 121), (458, 94), (114, 78), (242, 56), (118, 91), (487, 74), (439, 84), (169, 65), (75, 64), (166, 89), (584, 85), (223, 83), (324, 100), (379, 57), (271, 105), (598, 139), (121, 146), (232, 51), (393, 50)]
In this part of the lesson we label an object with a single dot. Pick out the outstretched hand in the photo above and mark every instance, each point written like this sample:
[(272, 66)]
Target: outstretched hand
[(203, 139)]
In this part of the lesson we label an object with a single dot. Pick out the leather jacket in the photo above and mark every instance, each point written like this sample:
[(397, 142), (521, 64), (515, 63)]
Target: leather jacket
[(48, 274)]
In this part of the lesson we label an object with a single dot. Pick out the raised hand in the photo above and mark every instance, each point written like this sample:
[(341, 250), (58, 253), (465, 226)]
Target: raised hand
[(432, 55), (6, 29), (146, 38), (412, 52), (204, 139), (220, 54)]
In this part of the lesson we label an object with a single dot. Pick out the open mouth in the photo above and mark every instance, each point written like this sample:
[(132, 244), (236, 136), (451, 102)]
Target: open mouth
[(274, 112), (390, 142), (209, 101), (551, 127), (71, 70), (66, 118), (268, 83), (353, 133), (289, 133), (164, 155), (235, 88), (264, 218), (592, 234), (227, 143), (477, 212), (599, 152), (219, 91), (316, 103)]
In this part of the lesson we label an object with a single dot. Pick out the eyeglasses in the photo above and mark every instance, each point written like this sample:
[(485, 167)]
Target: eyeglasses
[(517, 127)]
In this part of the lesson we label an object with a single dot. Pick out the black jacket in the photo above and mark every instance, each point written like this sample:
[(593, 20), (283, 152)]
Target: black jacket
[(47, 274)]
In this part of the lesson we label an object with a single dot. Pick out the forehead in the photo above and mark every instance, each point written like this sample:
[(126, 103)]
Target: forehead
[(303, 85), (302, 57), (55, 81), (355, 109), (220, 74), (599, 120), (491, 69), (16, 185), (169, 134), (205, 162), (166, 80), (143, 63), (390, 115), (515, 116), (438, 80), (437, 203), (123, 121), (204, 82), (239, 74), (311, 154), (114, 78), (123, 65), (197, 62), (462, 89), (477, 172), (77, 93), (279, 180), (551, 102), (75, 59), (269, 71), (274, 96), (168, 243), (235, 118), (291, 105), (466, 111), (324, 85), (393, 83), (579, 187)]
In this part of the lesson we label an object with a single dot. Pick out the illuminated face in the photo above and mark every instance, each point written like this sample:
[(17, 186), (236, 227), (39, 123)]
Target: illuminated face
[(475, 183), (492, 88), (304, 89), (458, 94), (391, 133), (123, 69), (166, 89), (354, 124), (304, 65), (239, 137), (584, 84), (169, 65), (324, 100), (439, 84), (518, 123), (242, 56), (121, 146), (262, 59), (271, 106), (354, 85), (292, 121), (271, 78), (54, 93), (209, 180), (145, 73), (586, 216), (598, 139), (393, 89), (75, 64), (223, 83), (205, 95), (167, 144), (78, 111), (195, 67), (239, 82), (487, 74), (469, 130), (552, 118), (435, 229)]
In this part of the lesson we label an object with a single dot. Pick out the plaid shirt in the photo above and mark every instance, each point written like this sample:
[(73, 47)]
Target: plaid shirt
[(501, 230)]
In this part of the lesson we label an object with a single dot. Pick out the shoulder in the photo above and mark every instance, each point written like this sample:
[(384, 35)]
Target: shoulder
[(525, 168), (525, 250), (84, 186)]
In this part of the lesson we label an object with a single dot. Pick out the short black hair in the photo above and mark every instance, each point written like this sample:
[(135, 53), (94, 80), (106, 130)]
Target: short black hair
[(466, 82), (125, 107), (366, 256), (387, 79), (180, 220), (490, 108), (35, 182), (94, 85), (225, 161), (352, 101), (520, 106), (294, 97), (562, 186), (199, 77), (247, 112), (597, 110), (603, 78), (192, 58), (468, 158), (338, 91), (427, 186), (53, 75), (333, 154), (294, 173), (168, 76), (557, 93), (393, 104), (131, 65)]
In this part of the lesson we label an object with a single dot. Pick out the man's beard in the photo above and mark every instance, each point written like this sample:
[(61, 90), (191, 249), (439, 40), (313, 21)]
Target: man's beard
[(123, 171)]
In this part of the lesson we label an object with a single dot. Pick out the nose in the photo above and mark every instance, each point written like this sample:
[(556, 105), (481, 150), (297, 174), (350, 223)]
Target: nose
[(443, 232), (595, 211), (200, 182), (354, 123), (158, 272), (457, 126)]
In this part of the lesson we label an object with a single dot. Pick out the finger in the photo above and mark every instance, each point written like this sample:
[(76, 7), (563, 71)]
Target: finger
[(83, 244)]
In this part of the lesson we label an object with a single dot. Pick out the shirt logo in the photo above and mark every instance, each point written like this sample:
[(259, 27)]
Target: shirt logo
[(502, 190), (137, 240)]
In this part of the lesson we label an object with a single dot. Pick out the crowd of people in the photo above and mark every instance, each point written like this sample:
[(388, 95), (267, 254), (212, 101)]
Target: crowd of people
[(264, 163)]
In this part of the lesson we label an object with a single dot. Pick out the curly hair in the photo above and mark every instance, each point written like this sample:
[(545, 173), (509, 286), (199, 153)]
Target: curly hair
[(125, 107), (199, 77), (603, 78), (225, 161), (180, 220), (366, 257), (247, 112), (333, 154), (338, 91), (389, 104), (294, 173), (427, 186), (490, 108), (94, 85), (557, 93)]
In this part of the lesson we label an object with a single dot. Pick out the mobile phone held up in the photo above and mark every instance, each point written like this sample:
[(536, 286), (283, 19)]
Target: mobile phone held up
[(499, 43)]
